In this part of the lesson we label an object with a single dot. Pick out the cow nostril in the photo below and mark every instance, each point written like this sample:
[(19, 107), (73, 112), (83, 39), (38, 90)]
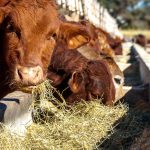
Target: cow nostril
[(20, 74), (30, 75)]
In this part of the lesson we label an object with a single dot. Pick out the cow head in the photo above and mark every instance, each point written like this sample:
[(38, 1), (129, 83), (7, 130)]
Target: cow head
[(96, 83), (27, 39), (83, 82)]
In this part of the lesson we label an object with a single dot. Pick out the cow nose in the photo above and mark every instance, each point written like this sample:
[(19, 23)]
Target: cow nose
[(30, 75)]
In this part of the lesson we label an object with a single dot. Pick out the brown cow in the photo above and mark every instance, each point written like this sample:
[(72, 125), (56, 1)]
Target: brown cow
[(117, 74), (92, 51), (140, 39), (116, 44), (84, 78), (111, 45), (102, 50), (28, 30)]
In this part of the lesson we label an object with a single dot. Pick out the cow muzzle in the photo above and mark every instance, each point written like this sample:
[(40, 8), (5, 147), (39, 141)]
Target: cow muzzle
[(29, 76)]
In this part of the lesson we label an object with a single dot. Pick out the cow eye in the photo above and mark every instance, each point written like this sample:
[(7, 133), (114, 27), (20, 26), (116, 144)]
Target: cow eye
[(54, 35), (11, 28), (51, 36)]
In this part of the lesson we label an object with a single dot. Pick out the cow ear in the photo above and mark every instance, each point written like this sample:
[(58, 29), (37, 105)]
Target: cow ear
[(74, 34), (76, 83), (76, 41)]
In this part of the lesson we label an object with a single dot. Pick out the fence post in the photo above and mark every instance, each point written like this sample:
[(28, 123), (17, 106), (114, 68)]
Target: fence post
[(75, 6), (83, 8), (66, 4)]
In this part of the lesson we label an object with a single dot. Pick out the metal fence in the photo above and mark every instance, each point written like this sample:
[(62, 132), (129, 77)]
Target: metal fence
[(92, 11)]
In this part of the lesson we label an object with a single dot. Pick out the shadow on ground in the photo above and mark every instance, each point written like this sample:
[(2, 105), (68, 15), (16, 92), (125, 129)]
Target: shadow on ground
[(132, 125)]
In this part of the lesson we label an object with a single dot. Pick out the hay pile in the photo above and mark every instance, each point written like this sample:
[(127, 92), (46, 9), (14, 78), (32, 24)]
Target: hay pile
[(84, 126), (81, 129)]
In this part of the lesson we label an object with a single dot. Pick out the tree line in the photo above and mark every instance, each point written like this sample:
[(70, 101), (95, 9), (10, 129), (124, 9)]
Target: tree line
[(133, 14)]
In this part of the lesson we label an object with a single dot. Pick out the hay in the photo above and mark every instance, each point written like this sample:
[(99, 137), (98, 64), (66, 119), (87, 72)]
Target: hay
[(84, 126)]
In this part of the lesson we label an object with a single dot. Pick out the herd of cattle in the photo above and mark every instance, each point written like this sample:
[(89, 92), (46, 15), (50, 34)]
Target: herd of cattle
[(36, 43)]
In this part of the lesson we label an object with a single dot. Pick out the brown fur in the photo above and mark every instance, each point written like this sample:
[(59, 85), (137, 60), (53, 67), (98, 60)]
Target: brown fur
[(140, 39), (109, 44), (26, 39), (91, 51), (4, 2), (89, 79), (102, 51)]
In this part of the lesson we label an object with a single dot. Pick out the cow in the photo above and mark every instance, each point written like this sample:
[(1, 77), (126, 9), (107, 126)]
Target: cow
[(28, 31), (111, 45), (141, 40), (82, 78), (97, 50), (92, 52), (85, 79)]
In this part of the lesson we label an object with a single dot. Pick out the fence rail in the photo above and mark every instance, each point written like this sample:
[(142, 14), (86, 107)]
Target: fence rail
[(94, 12)]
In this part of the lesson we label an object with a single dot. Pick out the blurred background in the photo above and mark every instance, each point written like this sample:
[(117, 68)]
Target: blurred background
[(130, 14), (126, 15)]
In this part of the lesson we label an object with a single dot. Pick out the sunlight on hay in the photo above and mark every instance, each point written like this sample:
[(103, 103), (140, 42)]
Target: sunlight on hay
[(84, 126)]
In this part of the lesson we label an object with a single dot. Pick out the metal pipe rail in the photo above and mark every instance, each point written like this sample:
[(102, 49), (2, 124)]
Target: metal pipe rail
[(94, 12)]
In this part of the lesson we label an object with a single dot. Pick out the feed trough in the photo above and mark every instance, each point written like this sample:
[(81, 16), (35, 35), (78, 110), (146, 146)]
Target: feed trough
[(63, 132), (15, 111)]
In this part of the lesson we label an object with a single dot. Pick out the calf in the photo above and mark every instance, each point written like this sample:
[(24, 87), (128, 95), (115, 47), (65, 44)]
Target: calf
[(91, 51), (84, 78), (102, 51)]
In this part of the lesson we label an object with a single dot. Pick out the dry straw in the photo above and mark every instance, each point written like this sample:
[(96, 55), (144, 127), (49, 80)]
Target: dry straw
[(83, 127)]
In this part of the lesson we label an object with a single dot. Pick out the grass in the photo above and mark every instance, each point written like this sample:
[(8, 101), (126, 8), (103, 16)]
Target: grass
[(131, 33)]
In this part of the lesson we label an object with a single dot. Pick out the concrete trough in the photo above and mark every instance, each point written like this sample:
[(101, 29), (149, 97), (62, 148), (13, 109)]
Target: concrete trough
[(144, 60), (124, 66), (15, 112), (135, 64)]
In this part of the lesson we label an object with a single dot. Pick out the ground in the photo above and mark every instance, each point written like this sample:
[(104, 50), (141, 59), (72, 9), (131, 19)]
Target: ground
[(131, 33)]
